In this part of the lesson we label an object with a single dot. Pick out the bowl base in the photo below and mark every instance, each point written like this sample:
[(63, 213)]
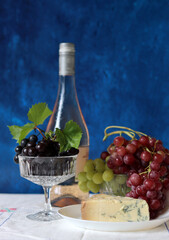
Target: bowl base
[(44, 216)]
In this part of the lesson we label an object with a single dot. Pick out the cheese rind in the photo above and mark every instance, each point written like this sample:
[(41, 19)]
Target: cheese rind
[(106, 208)]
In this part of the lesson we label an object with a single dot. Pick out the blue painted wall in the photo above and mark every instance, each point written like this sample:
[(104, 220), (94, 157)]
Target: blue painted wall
[(122, 68)]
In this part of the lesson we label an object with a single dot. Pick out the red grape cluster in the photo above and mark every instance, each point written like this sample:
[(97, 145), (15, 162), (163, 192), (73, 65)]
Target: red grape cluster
[(145, 161)]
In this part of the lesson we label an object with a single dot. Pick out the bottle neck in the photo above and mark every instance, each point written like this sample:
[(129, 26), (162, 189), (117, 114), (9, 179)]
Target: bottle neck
[(66, 64), (67, 88)]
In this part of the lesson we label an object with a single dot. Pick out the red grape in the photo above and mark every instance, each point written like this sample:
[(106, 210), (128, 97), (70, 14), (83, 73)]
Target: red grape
[(104, 155), (129, 159), (154, 175), (125, 142), (154, 166), (110, 163), (123, 169), (118, 161), (128, 183), (138, 153), (135, 179), (144, 140), (146, 156), (149, 184), (133, 188), (166, 159), (154, 204), (144, 164), (118, 141), (129, 194), (158, 158), (159, 195), (136, 143), (131, 148), (151, 194), (111, 149), (116, 170), (159, 146), (121, 151), (134, 194), (162, 153), (166, 183), (152, 142), (158, 186), (163, 171), (140, 190)]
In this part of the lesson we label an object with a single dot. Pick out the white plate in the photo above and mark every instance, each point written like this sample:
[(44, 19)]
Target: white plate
[(73, 215)]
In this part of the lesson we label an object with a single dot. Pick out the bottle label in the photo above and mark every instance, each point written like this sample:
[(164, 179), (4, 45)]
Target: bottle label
[(66, 64)]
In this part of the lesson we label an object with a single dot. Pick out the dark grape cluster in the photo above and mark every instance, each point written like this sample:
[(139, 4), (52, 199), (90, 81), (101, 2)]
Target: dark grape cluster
[(43, 148), (146, 162)]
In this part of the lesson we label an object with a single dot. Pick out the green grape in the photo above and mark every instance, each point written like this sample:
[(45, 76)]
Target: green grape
[(82, 177), (107, 158), (97, 178), (83, 186), (89, 161), (98, 160), (100, 167), (89, 175), (108, 175), (121, 179), (114, 186), (106, 167), (89, 166), (93, 187), (120, 192)]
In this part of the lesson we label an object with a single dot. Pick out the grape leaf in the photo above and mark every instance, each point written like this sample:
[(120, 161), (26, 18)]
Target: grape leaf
[(49, 134), (27, 128), (70, 136), (61, 139), (15, 131), (38, 113), (73, 134), (19, 133)]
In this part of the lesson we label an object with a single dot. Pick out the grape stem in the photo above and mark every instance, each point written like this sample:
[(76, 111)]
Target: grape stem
[(40, 131), (131, 133)]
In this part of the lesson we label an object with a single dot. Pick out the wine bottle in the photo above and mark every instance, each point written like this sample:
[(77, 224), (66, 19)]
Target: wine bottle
[(67, 105)]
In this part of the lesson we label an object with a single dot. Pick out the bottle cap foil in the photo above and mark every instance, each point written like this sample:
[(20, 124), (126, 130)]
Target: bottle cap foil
[(66, 48), (66, 59)]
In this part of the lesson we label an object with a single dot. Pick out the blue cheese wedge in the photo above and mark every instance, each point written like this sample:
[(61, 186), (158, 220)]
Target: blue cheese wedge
[(106, 208)]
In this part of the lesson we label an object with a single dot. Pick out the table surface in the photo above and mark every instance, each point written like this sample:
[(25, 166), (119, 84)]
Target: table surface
[(15, 226)]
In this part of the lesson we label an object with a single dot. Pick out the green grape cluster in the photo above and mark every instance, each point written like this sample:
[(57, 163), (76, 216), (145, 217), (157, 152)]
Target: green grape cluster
[(116, 187), (95, 173)]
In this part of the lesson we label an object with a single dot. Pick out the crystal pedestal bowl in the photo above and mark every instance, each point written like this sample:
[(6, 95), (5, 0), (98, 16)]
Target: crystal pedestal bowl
[(47, 172)]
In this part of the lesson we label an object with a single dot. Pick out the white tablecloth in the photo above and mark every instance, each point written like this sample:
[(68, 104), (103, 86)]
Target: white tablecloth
[(15, 226)]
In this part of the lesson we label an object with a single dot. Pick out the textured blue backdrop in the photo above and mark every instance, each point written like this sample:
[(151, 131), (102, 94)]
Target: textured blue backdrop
[(122, 73)]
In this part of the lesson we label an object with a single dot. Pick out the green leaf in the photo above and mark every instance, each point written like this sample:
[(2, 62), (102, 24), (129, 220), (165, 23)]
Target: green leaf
[(19, 133), (38, 113), (49, 135), (61, 139), (15, 131), (73, 134), (26, 129), (69, 137)]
